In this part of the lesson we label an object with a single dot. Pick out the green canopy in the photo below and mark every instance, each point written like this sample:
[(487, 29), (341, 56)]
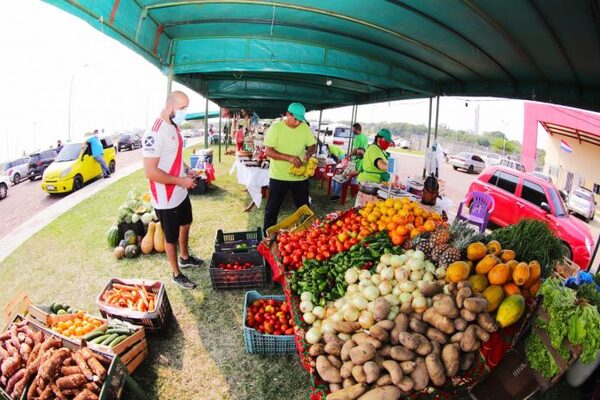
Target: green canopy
[(327, 53)]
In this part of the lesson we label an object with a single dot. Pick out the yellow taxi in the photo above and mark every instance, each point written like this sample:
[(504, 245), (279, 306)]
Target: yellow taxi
[(74, 166)]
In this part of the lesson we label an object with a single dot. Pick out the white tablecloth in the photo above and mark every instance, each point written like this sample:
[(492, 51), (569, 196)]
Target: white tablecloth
[(253, 178)]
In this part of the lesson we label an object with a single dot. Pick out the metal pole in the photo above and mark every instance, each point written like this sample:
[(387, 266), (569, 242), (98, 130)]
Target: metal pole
[(206, 124), (428, 132), (219, 134)]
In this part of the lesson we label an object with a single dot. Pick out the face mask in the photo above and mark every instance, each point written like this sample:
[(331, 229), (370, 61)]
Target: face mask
[(179, 117)]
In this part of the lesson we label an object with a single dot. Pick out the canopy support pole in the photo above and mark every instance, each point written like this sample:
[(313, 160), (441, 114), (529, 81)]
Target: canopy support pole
[(428, 133), (219, 134), (318, 127), (206, 124)]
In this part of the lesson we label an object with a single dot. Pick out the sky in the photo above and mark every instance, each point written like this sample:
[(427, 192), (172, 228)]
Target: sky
[(49, 53)]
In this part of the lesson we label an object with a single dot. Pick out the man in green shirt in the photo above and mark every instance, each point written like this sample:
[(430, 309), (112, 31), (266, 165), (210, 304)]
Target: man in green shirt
[(374, 168), (288, 142)]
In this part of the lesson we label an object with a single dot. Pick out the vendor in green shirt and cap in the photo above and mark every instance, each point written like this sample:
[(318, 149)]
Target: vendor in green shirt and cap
[(374, 167)]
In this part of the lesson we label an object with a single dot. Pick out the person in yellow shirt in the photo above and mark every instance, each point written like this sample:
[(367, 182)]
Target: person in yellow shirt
[(288, 142)]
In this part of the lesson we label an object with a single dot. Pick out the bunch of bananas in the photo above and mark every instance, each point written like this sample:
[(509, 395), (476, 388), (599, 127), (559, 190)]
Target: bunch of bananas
[(307, 169)]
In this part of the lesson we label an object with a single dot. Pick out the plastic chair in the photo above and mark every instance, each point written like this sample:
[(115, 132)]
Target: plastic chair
[(481, 206)]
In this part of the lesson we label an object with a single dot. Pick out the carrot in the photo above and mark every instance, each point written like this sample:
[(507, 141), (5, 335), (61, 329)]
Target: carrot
[(123, 287)]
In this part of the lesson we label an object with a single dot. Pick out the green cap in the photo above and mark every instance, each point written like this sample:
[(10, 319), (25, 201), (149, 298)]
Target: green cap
[(385, 134), (297, 110)]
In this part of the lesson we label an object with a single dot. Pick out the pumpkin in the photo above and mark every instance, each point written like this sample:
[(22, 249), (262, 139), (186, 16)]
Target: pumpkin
[(510, 310), (494, 294), (478, 283), (147, 244), (494, 247), (112, 236), (507, 255), (457, 271), (535, 270), (511, 288), (159, 238), (499, 274), (119, 252), (486, 264), (132, 251), (476, 251), (521, 274)]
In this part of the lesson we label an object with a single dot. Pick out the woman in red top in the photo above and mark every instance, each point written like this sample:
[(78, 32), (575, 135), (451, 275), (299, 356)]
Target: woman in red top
[(239, 137)]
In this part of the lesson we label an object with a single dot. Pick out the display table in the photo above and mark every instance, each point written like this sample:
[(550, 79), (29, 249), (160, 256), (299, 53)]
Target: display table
[(254, 178)]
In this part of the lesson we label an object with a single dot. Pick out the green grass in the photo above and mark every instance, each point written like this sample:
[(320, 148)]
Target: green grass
[(202, 354)]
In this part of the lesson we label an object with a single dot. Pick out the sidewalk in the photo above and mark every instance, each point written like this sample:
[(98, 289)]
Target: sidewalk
[(29, 228)]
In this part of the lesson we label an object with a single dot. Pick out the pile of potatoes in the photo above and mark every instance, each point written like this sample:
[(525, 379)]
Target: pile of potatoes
[(409, 353)]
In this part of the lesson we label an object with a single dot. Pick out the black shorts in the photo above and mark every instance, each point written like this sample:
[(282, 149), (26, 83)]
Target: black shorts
[(173, 218)]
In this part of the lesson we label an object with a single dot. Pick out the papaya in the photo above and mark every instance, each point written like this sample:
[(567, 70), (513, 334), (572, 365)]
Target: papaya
[(476, 251), (457, 271), (486, 264), (521, 274), (478, 283), (494, 295), (535, 270), (147, 244), (159, 238), (494, 247), (510, 310), (499, 274)]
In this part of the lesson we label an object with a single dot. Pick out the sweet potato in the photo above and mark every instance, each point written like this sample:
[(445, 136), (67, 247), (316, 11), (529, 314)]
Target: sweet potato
[(349, 393), (72, 381), (381, 309), (400, 325), (401, 353), (358, 373), (382, 393), (379, 333), (439, 321), (362, 353), (475, 304), (451, 359), (316, 349), (372, 371), (420, 376), (326, 371), (446, 306), (487, 322)]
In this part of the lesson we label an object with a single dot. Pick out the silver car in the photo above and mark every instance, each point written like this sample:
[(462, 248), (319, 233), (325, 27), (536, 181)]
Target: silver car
[(470, 162), (17, 169), (582, 202)]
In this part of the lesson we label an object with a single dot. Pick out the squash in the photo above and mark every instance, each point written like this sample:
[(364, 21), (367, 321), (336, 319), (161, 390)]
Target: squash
[(476, 251), (510, 288), (535, 270), (494, 247), (478, 283), (112, 236), (494, 295), (521, 274), (510, 310), (159, 238), (457, 271), (507, 255), (486, 264), (147, 244), (499, 274)]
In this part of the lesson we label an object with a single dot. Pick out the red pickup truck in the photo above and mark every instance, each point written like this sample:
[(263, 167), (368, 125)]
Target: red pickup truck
[(521, 195)]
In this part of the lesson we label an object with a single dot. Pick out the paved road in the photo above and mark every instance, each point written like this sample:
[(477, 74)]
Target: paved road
[(27, 198)]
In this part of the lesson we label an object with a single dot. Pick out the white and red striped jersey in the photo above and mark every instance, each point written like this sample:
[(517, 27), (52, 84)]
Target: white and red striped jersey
[(164, 141)]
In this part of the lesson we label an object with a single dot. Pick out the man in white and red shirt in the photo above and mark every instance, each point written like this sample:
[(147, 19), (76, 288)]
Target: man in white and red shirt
[(169, 184)]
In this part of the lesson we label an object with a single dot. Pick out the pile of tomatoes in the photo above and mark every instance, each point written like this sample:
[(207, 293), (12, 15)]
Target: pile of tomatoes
[(322, 242), (236, 266), (271, 317)]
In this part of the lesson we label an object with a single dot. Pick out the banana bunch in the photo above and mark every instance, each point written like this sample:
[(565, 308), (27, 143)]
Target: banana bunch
[(307, 169)]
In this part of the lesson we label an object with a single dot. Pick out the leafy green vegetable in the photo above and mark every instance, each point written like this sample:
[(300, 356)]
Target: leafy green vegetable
[(532, 240)]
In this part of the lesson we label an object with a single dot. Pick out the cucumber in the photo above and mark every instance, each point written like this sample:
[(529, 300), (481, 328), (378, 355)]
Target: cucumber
[(120, 331), (109, 339), (117, 341), (93, 335), (99, 339)]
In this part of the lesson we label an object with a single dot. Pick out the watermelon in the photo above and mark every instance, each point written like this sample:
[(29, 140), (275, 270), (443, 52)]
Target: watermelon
[(112, 236)]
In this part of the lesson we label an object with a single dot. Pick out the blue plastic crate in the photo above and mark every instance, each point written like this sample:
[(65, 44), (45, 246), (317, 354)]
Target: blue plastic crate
[(258, 343)]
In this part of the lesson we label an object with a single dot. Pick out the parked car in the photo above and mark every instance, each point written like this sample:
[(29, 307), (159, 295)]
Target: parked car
[(468, 161), (520, 195), (4, 181), (129, 141), (17, 169), (38, 162), (582, 202), (75, 166), (493, 159), (505, 162), (337, 134)]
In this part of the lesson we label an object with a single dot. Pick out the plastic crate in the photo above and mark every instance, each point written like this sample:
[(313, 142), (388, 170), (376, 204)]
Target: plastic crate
[(153, 321), (254, 277), (258, 343), (227, 242), (300, 220)]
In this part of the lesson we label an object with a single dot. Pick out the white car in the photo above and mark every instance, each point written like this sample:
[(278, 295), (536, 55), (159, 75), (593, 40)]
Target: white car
[(17, 169), (4, 181), (470, 162), (582, 202)]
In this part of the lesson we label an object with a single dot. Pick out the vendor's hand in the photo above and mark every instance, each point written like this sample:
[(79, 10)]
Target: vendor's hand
[(187, 182), (296, 161)]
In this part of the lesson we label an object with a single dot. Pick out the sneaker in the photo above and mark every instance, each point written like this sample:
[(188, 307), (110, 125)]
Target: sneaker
[(335, 198), (184, 282), (191, 261)]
